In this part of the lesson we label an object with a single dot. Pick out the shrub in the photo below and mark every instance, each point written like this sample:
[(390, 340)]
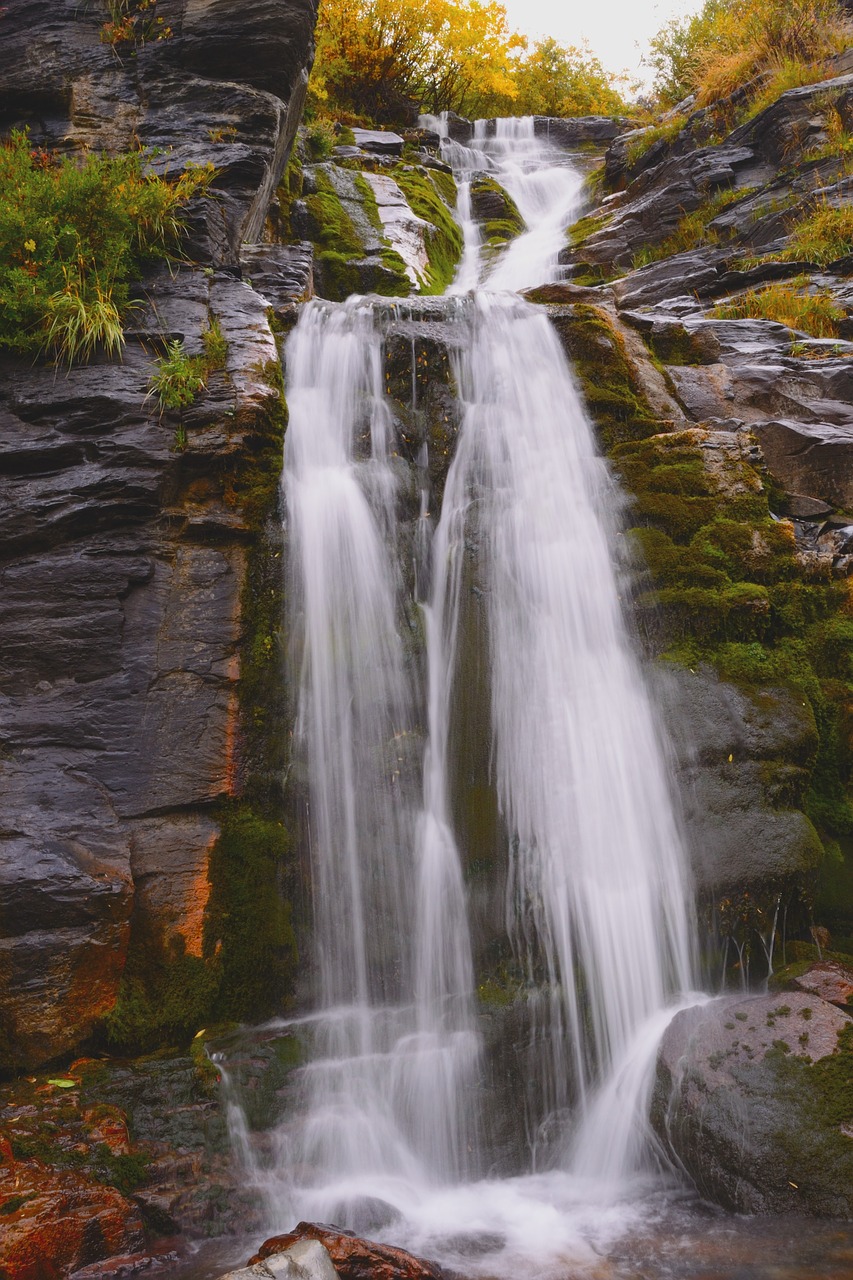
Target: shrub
[(72, 238), (809, 311)]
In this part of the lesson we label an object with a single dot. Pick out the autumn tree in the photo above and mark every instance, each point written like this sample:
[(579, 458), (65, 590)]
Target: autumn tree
[(381, 58), (563, 80)]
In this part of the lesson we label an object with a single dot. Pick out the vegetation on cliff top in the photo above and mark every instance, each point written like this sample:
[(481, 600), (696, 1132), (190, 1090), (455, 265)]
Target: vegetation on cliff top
[(73, 237), (377, 59), (730, 43)]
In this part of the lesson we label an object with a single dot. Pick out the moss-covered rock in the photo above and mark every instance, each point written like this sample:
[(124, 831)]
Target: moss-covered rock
[(754, 1098), (496, 213), (431, 194)]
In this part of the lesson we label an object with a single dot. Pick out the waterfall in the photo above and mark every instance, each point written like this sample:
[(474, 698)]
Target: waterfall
[(386, 1126)]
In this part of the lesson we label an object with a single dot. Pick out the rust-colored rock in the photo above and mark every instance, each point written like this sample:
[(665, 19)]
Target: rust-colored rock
[(354, 1258), (56, 1222), (828, 979)]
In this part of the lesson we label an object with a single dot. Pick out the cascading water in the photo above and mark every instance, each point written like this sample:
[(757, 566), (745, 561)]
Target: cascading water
[(596, 902)]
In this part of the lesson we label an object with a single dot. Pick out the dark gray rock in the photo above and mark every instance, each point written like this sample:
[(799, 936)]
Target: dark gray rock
[(742, 765), (575, 131), (226, 89), (121, 569), (810, 458), (748, 1102)]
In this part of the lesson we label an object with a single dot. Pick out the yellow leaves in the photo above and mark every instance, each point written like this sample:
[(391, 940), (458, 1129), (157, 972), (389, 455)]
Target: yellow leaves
[(30, 246), (376, 56)]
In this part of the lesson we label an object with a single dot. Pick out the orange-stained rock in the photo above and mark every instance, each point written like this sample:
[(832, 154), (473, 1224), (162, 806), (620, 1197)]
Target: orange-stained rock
[(56, 1222), (354, 1258)]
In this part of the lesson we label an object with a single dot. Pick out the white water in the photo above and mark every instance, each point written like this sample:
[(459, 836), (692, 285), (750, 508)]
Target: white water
[(543, 184), (596, 906)]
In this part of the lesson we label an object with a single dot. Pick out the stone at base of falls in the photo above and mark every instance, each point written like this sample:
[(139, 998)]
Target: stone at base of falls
[(754, 1100), (305, 1259), (353, 1257)]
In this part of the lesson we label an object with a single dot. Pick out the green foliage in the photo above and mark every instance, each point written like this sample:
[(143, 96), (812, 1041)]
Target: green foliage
[(645, 139), (320, 139), (180, 377), (72, 238), (797, 305)]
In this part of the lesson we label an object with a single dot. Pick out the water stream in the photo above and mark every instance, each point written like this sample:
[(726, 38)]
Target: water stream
[(387, 1132)]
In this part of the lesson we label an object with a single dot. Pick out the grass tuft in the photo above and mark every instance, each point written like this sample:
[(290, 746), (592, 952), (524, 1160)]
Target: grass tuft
[(812, 311)]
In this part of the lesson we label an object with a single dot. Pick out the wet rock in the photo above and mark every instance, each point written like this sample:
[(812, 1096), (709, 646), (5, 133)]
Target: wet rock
[(813, 459), (576, 130), (752, 1100), (494, 210), (742, 763), (226, 89), (56, 1222), (830, 980), (353, 1258), (122, 569)]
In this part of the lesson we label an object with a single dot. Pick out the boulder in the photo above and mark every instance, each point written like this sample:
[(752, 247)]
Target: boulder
[(574, 131), (379, 142), (56, 1222), (752, 1099), (353, 1258)]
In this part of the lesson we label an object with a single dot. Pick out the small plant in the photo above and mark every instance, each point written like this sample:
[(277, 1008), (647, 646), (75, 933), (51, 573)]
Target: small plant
[(320, 139), (795, 305), (644, 141), (180, 377), (692, 230), (81, 320), (133, 22), (226, 134)]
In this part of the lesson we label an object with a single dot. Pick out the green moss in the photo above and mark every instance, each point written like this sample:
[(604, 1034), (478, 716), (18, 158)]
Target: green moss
[(587, 226), (339, 275), (426, 190), (609, 384), (497, 230), (329, 225), (820, 1096), (721, 581), (164, 995), (247, 929)]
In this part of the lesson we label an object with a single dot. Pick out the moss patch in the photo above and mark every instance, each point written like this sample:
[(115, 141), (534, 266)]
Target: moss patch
[(607, 379), (427, 193)]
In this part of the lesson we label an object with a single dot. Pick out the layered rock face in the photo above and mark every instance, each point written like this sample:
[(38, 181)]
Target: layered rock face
[(123, 557)]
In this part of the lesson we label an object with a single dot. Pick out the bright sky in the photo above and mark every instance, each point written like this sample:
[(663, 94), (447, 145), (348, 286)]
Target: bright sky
[(617, 30)]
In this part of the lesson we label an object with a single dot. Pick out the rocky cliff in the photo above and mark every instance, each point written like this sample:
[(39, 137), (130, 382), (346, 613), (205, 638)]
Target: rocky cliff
[(127, 679)]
